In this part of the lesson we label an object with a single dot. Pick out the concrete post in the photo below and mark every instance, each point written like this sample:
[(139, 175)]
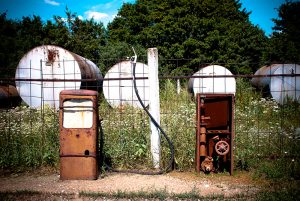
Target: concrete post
[(154, 107), (178, 86)]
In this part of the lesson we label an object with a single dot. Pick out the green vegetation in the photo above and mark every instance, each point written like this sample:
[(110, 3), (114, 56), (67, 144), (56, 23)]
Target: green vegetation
[(195, 32), (284, 44), (275, 192), (157, 194), (126, 131), (33, 195), (202, 31), (265, 134), (29, 138)]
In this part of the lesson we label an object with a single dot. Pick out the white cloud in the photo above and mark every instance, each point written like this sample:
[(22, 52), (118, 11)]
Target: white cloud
[(104, 12), (105, 6), (80, 17), (53, 3), (98, 16), (114, 15)]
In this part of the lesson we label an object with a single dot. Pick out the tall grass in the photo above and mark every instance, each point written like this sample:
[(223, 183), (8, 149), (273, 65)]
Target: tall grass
[(266, 138), (127, 133), (28, 138)]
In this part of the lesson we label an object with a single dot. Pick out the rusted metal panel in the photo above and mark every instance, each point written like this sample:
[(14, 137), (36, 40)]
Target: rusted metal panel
[(219, 110), (215, 123), (78, 136), (78, 168), (88, 71)]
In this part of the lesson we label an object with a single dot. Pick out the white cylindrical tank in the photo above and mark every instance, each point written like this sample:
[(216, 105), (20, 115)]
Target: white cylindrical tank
[(53, 62), (119, 91), (284, 87), (262, 82), (218, 85)]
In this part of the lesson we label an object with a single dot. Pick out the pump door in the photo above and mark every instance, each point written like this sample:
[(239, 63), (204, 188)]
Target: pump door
[(78, 123)]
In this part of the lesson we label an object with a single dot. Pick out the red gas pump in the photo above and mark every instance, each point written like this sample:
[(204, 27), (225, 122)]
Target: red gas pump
[(214, 132)]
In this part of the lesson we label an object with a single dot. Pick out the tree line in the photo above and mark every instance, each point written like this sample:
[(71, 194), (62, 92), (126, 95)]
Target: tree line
[(192, 32)]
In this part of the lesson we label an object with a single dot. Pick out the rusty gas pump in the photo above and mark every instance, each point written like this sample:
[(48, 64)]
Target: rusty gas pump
[(79, 122), (214, 132)]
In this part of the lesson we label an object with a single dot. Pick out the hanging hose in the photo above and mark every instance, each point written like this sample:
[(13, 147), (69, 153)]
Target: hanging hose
[(171, 146)]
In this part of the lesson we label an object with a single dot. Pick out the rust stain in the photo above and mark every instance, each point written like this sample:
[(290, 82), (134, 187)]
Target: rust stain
[(52, 56), (88, 133)]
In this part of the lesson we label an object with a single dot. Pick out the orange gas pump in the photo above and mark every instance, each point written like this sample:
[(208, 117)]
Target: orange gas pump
[(78, 121)]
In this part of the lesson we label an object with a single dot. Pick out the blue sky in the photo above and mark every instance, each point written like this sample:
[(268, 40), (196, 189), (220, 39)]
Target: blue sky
[(105, 10)]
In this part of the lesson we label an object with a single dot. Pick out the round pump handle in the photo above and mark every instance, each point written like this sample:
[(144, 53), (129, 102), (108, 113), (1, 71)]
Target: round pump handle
[(222, 147)]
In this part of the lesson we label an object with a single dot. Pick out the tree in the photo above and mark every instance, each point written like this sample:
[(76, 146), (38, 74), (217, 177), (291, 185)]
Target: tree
[(84, 37), (200, 31), (17, 38), (284, 44), (8, 32), (114, 52)]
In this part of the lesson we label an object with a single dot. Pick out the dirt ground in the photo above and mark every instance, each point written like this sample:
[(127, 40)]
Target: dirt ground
[(49, 183)]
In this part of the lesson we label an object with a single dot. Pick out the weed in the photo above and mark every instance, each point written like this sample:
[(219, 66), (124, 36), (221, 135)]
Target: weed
[(158, 194), (192, 195), (28, 139), (282, 190), (266, 135)]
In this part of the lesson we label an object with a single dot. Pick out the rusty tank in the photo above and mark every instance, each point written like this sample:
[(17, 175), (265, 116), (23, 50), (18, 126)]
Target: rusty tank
[(46, 70), (9, 96)]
